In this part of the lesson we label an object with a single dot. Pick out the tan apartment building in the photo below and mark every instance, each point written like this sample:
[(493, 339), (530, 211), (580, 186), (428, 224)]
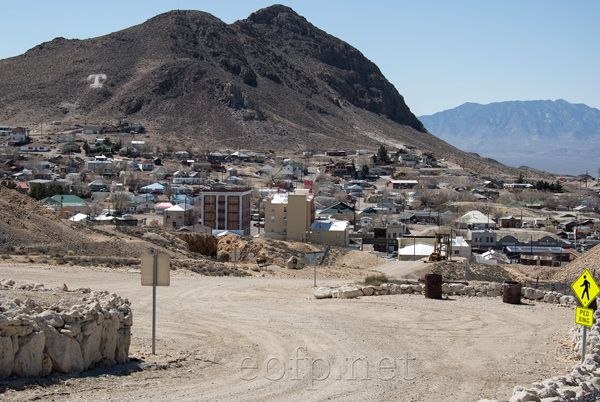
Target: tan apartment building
[(289, 216), (226, 208)]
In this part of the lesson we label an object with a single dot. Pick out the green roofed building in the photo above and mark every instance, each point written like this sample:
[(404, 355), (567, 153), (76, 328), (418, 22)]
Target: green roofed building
[(60, 201)]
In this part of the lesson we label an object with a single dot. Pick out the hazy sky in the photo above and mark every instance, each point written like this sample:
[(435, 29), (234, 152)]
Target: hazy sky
[(438, 54)]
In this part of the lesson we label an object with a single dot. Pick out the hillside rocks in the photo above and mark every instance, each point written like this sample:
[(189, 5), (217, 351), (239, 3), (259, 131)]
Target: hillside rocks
[(491, 289), (273, 79), (45, 333)]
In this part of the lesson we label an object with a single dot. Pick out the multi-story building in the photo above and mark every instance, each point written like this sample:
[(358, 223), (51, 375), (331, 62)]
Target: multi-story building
[(174, 217), (289, 216), (226, 209)]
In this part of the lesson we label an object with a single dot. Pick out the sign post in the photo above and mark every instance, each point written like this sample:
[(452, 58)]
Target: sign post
[(311, 258), (155, 272), (234, 256), (586, 289)]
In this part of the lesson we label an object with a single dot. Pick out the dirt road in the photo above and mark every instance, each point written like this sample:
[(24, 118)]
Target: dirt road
[(261, 339)]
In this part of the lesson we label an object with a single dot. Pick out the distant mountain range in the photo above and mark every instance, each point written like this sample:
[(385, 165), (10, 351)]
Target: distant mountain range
[(555, 136)]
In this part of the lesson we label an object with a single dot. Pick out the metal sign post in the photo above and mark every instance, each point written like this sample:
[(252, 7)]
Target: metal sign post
[(311, 258), (234, 256), (154, 267), (155, 272)]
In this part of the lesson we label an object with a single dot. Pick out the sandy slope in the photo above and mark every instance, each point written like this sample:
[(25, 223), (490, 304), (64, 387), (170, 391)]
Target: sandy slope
[(262, 339)]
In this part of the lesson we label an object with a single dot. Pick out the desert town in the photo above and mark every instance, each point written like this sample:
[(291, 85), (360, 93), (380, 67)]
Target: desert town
[(334, 197), (293, 249)]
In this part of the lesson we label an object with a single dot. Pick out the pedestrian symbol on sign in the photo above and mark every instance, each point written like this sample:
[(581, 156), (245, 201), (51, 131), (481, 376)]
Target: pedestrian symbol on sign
[(585, 288)]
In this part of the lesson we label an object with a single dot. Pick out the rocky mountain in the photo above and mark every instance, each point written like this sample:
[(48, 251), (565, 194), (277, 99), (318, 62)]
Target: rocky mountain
[(556, 136), (271, 81)]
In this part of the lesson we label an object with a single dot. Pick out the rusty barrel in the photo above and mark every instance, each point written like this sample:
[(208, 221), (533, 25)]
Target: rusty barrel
[(433, 286), (511, 292)]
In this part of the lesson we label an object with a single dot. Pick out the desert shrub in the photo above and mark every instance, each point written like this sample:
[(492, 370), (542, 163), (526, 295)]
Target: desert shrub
[(376, 280), (70, 252), (7, 249), (223, 256)]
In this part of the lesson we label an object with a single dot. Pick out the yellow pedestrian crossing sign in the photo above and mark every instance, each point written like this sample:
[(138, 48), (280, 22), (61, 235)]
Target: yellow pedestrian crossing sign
[(585, 288), (584, 316)]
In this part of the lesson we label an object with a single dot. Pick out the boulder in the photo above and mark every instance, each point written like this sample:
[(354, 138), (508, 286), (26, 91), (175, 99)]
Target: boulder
[(108, 343), (7, 355), (349, 291), (90, 347), (64, 351), (323, 293), (457, 288), (445, 288), (368, 291), (51, 318), (395, 289), (532, 294), (524, 396), (405, 288), (28, 359)]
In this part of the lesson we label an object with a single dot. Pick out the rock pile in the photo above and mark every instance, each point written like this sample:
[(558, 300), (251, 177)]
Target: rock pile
[(491, 289), (582, 384), (44, 333)]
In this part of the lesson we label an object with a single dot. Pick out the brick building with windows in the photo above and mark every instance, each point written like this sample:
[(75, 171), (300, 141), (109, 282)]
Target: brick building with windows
[(226, 209)]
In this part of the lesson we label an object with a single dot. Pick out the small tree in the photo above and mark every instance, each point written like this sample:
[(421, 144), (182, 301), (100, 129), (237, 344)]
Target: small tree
[(382, 154), (364, 170)]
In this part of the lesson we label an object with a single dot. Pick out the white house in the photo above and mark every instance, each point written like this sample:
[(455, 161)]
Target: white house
[(476, 220), (18, 135), (146, 165), (415, 251), (34, 147), (460, 247)]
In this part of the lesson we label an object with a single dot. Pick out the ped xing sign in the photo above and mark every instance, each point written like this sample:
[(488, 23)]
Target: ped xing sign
[(585, 288), (584, 316)]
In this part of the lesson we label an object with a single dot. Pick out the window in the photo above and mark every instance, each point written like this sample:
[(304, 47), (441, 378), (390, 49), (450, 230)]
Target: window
[(272, 209), (272, 229), (272, 219), (284, 209)]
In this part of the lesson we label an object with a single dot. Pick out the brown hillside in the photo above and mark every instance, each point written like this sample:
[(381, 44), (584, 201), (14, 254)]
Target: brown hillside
[(25, 223), (272, 81), (589, 260)]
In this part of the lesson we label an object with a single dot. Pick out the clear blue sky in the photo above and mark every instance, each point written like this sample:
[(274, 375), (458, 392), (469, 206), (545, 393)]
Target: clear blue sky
[(438, 54)]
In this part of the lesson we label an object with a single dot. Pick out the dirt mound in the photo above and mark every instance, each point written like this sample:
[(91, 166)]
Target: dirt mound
[(455, 271), (24, 222), (589, 260)]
